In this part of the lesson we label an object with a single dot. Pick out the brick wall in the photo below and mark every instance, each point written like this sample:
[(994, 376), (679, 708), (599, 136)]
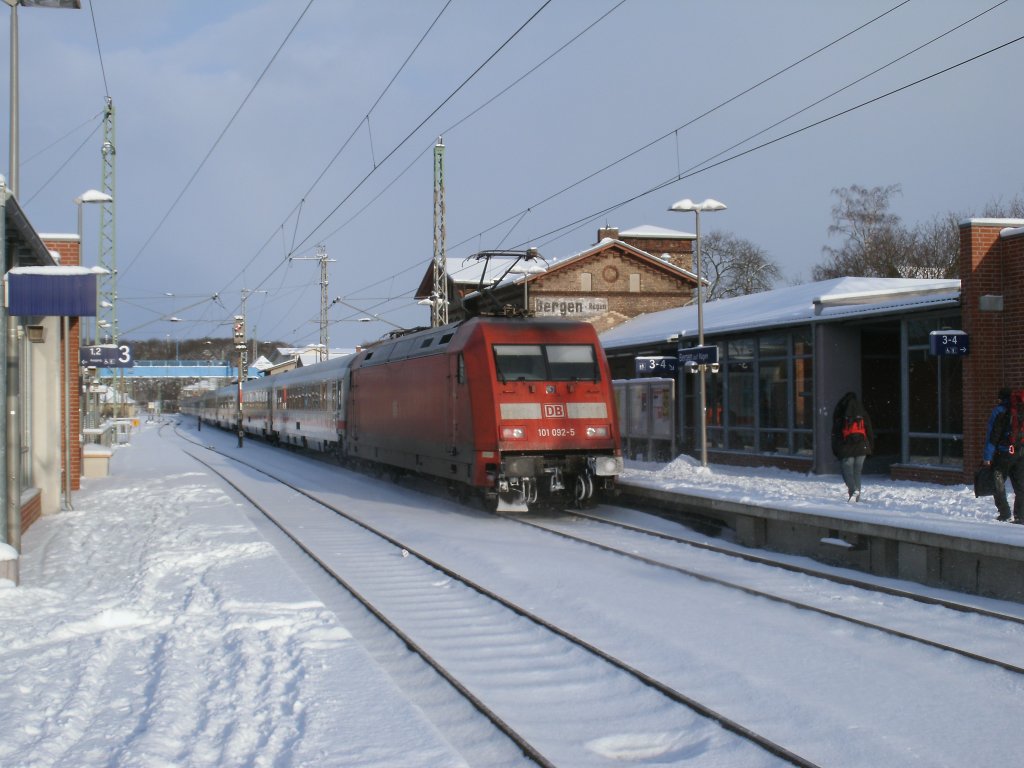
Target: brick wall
[(31, 511), (610, 272), (70, 256), (990, 265)]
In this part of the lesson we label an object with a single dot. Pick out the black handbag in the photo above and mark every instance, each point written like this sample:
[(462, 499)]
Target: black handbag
[(984, 482)]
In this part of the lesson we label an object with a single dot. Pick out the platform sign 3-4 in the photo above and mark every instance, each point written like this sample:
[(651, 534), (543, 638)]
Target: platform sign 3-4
[(949, 343), (655, 365)]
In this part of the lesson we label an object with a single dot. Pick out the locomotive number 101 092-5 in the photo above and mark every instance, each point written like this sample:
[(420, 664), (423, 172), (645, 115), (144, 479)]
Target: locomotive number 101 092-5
[(556, 432)]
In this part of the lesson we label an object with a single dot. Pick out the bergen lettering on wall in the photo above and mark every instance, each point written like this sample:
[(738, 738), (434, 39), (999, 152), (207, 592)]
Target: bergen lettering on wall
[(566, 306)]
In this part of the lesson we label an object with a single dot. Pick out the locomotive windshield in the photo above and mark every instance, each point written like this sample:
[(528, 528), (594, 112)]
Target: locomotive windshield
[(545, 362)]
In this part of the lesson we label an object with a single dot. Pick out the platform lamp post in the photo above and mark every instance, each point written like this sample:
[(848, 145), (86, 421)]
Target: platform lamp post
[(708, 205)]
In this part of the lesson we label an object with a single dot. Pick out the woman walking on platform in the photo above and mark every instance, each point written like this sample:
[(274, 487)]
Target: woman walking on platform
[(852, 440)]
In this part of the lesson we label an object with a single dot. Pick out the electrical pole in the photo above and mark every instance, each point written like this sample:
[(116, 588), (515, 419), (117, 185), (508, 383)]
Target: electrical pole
[(106, 311), (321, 256), (239, 336), (439, 294)]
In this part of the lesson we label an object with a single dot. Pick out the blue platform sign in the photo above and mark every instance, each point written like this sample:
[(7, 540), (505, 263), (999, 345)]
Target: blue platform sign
[(949, 343), (106, 356), (656, 365), (700, 355)]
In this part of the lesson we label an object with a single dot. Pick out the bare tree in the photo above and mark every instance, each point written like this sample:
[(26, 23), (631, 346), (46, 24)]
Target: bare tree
[(876, 244), (735, 267)]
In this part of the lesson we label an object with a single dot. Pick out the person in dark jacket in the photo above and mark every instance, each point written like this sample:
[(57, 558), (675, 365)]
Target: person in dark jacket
[(852, 440), (1005, 459)]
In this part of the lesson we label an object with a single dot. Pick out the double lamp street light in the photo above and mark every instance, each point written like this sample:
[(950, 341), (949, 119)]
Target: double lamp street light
[(708, 205)]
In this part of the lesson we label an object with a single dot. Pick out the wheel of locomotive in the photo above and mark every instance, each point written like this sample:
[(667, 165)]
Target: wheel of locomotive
[(580, 490), (530, 490)]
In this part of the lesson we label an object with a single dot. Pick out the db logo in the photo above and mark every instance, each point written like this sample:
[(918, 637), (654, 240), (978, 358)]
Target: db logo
[(554, 411)]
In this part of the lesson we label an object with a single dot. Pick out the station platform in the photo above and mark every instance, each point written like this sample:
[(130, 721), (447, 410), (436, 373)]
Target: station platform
[(939, 536)]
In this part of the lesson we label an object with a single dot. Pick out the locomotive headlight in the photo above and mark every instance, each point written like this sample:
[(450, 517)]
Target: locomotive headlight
[(604, 466), (597, 432), (513, 433)]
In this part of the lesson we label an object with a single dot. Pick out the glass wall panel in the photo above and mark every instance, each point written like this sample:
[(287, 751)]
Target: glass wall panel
[(803, 341), (773, 346), (923, 403), (803, 393), (774, 394)]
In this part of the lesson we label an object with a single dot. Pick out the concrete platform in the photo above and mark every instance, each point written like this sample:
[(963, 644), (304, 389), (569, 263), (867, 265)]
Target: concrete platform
[(965, 564)]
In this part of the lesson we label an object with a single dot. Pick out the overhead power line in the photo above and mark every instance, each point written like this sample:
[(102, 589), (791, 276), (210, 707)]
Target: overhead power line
[(220, 137)]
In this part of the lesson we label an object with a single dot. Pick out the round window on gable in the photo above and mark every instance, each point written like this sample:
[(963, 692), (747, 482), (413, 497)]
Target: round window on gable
[(610, 274)]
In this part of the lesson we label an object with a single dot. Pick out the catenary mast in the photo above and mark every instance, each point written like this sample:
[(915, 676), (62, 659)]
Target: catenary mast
[(439, 294)]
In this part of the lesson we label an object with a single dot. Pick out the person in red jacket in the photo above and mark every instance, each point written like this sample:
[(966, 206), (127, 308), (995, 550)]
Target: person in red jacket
[(852, 440)]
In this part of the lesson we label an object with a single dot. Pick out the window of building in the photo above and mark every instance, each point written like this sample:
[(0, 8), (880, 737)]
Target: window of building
[(935, 388), (762, 398), (634, 282), (586, 281)]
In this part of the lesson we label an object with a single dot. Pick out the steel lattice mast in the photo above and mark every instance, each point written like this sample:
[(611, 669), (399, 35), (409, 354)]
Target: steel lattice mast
[(439, 294), (106, 312), (321, 256)]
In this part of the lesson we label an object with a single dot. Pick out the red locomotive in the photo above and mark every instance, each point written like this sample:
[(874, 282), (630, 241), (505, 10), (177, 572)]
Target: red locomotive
[(519, 409)]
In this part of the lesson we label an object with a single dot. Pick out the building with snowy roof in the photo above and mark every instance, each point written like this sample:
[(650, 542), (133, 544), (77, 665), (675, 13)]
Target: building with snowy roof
[(787, 356), (627, 273)]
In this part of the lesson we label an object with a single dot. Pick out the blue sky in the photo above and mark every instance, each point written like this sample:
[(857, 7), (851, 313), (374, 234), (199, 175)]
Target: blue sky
[(178, 72)]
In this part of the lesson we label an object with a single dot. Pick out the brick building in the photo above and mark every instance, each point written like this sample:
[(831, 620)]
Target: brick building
[(992, 306), (625, 274)]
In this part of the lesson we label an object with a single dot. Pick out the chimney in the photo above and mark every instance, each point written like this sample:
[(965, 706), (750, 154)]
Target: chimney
[(607, 232)]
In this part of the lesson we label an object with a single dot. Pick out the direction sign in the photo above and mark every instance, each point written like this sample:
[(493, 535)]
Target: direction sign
[(648, 365), (106, 356), (699, 355), (949, 343)]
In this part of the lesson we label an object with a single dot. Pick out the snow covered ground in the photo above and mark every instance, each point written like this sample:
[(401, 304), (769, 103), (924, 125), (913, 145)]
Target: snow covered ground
[(156, 626)]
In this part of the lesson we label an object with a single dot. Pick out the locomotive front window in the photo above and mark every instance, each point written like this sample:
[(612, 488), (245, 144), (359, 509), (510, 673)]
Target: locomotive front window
[(572, 362), (550, 362), (523, 362)]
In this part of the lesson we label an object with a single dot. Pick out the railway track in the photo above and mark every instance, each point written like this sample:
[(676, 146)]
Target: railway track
[(520, 671), (781, 582), (824, 688)]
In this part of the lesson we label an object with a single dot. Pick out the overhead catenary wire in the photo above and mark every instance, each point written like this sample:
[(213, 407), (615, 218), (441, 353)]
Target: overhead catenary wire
[(705, 167), (689, 172), (514, 219), (138, 254)]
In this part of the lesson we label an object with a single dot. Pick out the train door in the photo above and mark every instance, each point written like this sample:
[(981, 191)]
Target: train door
[(454, 403)]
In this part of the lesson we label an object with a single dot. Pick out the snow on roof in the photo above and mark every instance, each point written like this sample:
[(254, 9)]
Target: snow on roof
[(58, 270), (993, 222), (650, 230), (492, 269), (799, 304)]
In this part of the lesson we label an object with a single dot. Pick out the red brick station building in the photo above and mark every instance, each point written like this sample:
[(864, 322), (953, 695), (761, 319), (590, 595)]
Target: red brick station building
[(786, 356)]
